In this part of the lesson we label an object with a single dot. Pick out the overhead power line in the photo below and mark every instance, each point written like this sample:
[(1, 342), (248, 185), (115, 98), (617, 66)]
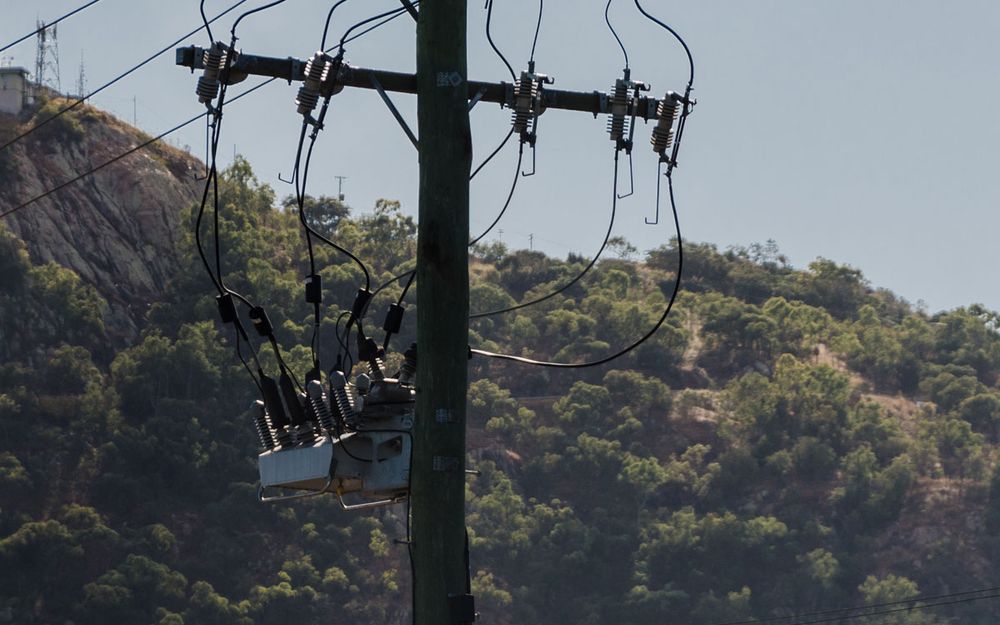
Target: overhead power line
[(47, 25), (83, 98), (867, 610), (115, 159)]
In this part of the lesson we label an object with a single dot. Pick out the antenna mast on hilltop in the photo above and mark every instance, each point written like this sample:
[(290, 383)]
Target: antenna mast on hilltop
[(81, 80), (47, 56)]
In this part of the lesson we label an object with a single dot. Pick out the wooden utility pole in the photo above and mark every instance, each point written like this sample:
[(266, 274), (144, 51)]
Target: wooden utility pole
[(444, 95), (438, 474)]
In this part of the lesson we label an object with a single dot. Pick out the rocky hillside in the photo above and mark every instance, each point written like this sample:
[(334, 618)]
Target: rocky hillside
[(118, 229), (791, 442)]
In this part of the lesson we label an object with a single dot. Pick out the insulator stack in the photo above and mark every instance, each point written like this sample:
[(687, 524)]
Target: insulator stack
[(525, 96), (320, 407), (376, 368), (663, 133), (408, 370), (618, 119), (341, 400), (208, 83), (284, 437), (263, 428), (305, 433), (316, 71)]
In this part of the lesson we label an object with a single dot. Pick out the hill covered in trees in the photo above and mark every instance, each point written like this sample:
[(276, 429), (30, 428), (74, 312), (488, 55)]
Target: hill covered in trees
[(790, 441)]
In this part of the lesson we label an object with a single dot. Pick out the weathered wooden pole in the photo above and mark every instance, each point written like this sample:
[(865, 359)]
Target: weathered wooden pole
[(438, 474)]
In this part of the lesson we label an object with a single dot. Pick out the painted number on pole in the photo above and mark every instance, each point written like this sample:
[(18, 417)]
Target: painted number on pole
[(449, 79)]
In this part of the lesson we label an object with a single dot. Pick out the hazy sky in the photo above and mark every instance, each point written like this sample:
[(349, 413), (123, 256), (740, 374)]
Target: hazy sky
[(864, 132)]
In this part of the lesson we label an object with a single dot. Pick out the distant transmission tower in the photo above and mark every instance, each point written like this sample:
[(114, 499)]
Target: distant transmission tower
[(81, 80), (47, 57)]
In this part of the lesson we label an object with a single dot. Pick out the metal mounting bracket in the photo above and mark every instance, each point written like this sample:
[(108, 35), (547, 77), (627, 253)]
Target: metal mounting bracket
[(301, 495), (395, 112), (368, 504), (476, 98)]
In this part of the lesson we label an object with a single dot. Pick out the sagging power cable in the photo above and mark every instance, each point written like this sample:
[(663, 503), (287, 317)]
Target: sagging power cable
[(321, 80), (870, 606), (214, 82), (529, 85), (321, 74), (579, 276), (510, 195), (48, 25), (394, 13), (621, 106), (83, 98), (627, 349), (664, 134), (115, 159)]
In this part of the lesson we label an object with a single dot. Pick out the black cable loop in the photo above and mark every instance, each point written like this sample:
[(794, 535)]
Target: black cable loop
[(321, 237), (607, 20), (489, 38), (622, 352), (376, 26), (590, 265), (246, 365), (214, 175), (489, 158), (676, 36), (510, 196), (399, 302), (538, 27), (393, 13), (208, 27), (300, 191), (251, 12), (326, 27), (197, 232), (336, 330), (411, 273)]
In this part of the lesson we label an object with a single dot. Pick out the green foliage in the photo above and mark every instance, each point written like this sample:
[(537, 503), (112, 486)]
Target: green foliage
[(764, 449), (64, 128)]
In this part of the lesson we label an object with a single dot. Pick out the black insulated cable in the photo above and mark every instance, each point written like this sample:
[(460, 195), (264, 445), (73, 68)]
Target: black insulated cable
[(510, 195), (48, 25), (590, 265), (489, 38), (207, 24), (251, 12), (510, 133), (376, 26), (326, 27), (538, 28), (309, 229), (621, 45), (394, 13), (625, 350), (673, 32)]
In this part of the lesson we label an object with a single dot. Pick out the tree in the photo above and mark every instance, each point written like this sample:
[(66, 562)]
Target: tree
[(323, 213)]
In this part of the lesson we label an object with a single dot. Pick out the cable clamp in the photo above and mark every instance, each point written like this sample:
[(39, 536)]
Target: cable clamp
[(462, 609)]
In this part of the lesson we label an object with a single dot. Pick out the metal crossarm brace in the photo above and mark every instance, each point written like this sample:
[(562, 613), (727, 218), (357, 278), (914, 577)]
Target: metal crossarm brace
[(291, 69)]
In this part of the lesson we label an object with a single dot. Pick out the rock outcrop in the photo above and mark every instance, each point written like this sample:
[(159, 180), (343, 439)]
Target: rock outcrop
[(119, 228)]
